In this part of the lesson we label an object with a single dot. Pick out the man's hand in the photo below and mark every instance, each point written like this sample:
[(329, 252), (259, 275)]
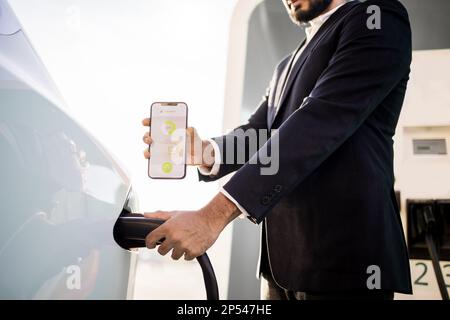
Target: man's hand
[(198, 152), (191, 233)]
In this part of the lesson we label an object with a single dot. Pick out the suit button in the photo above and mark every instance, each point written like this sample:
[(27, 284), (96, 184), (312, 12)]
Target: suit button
[(265, 200), (277, 188)]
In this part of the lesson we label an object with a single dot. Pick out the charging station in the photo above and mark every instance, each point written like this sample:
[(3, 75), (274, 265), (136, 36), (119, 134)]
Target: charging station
[(422, 169)]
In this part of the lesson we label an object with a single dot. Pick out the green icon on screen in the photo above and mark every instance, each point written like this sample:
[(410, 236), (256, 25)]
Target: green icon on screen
[(169, 127), (167, 167)]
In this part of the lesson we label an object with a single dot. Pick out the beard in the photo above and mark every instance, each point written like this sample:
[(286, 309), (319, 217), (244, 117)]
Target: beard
[(315, 8)]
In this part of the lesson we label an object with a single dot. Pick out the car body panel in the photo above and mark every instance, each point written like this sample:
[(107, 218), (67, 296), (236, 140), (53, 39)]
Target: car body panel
[(60, 190)]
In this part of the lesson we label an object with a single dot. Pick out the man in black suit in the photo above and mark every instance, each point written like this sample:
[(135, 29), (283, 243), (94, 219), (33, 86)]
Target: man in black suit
[(332, 227)]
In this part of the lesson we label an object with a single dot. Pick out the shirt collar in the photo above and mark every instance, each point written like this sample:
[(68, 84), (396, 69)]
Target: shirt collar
[(324, 17), (317, 22)]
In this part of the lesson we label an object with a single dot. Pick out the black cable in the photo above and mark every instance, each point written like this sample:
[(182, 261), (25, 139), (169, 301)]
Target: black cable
[(212, 290), (430, 230), (130, 231), (431, 244)]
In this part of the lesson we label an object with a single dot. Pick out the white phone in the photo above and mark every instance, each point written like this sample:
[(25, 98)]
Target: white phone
[(168, 132)]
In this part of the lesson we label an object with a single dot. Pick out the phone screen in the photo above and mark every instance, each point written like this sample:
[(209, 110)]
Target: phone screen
[(168, 149)]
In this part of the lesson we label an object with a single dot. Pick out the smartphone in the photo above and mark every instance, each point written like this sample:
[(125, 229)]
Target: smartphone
[(168, 132)]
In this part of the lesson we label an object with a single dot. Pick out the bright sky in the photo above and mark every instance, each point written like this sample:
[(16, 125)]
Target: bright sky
[(112, 58)]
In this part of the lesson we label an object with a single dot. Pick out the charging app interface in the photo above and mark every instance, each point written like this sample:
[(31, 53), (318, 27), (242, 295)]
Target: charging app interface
[(168, 149)]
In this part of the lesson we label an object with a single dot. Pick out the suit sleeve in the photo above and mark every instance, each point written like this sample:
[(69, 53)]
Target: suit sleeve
[(366, 67), (234, 147)]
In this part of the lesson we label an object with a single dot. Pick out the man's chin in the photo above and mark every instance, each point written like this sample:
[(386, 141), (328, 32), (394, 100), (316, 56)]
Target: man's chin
[(304, 17), (300, 19), (306, 14)]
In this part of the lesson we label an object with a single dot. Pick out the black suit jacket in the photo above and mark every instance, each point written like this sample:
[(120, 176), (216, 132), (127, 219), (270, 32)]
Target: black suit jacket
[(330, 211)]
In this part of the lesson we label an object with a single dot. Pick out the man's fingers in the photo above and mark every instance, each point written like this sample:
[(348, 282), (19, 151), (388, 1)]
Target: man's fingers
[(154, 237), (177, 253), (190, 132), (189, 256), (165, 247), (163, 215), (147, 122), (147, 139)]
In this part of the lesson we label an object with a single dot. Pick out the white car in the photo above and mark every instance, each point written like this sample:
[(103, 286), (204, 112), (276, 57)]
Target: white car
[(60, 190)]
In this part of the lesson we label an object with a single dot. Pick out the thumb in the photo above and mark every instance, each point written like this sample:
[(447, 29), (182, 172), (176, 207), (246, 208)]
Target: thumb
[(194, 146), (163, 215)]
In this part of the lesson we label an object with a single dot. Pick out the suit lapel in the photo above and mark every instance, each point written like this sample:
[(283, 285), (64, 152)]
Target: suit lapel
[(281, 81), (305, 54), (284, 75)]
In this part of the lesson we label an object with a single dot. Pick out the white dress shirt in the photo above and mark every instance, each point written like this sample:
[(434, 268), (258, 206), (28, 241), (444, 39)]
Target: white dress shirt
[(311, 29)]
